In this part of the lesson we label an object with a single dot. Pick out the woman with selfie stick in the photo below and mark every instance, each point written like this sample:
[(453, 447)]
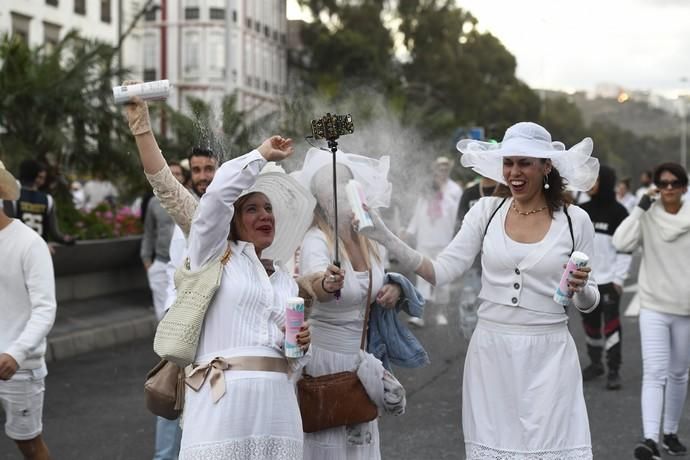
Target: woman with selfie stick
[(660, 224)]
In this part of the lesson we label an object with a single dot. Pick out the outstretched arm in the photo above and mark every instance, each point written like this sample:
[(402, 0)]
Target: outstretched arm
[(179, 202)]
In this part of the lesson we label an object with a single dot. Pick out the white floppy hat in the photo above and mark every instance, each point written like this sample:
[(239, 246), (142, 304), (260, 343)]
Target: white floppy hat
[(293, 209), (9, 189), (576, 165), (371, 173)]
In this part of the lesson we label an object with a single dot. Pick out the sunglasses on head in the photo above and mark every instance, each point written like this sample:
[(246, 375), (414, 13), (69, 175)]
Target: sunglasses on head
[(662, 184)]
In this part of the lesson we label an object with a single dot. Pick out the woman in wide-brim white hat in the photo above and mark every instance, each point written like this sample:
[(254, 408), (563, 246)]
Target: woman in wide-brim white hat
[(522, 386)]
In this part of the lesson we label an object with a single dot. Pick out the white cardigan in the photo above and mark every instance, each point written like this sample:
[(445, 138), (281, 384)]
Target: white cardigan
[(530, 284)]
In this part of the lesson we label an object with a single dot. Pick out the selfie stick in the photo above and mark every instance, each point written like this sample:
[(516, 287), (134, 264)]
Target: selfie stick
[(333, 145)]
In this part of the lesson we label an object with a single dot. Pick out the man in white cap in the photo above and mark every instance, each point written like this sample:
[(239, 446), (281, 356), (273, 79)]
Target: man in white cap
[(27, 311)]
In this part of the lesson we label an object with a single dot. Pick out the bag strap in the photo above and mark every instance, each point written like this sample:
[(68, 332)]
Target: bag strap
[(570, 227), (486, 229), (223, 259), (365, 329)]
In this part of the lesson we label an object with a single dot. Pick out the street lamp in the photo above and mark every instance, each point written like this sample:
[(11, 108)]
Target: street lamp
[(683, 126)]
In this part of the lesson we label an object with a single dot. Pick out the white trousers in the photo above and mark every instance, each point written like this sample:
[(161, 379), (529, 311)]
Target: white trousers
[(158, 282), (665, 363)]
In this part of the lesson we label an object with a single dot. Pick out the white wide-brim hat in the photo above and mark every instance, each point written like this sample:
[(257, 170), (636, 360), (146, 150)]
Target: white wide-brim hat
[(526, 139), (9, 189), (293, 210), (371, 173)]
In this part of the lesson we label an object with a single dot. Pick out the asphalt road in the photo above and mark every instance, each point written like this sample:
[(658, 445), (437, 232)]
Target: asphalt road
[(94, 403)]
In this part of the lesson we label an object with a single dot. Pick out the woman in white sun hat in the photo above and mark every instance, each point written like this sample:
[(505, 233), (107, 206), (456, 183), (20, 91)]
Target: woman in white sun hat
[(522, 386)]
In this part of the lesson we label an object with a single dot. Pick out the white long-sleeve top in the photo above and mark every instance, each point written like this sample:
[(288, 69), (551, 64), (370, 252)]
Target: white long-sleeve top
[(435, 234), (664, 270), (248, 310), (529, 284), (27, 295)]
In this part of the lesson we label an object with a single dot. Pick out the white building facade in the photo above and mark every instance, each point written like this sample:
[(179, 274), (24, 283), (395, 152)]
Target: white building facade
[(41, 22), (211, 48)]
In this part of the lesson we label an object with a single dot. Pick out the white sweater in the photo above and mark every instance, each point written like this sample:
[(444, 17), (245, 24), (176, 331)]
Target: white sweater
[(530, 284), (27, 295), (665, 269)]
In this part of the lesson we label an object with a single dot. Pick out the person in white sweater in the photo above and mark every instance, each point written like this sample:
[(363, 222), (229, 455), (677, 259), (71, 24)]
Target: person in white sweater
[(522, 386), (28, 312), (662, 228)]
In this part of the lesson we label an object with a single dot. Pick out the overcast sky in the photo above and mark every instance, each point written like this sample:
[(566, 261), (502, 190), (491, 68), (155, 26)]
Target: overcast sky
[(575, 45)]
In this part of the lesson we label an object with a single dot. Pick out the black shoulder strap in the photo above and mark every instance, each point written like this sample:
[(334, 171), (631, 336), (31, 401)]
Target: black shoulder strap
[(570, 227), (486, 229)]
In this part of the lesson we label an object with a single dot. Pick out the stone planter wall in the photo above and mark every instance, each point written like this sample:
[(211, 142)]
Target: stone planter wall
[(94, 268)]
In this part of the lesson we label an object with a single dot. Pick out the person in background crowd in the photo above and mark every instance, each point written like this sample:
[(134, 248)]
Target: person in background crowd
[(78, 197), (611, 267), (158, 228), (27, 313), (660, 225), (99, 190), (522, 385), (433, 227), (624, 196), (470, 196), (35, 208), (645, 184)]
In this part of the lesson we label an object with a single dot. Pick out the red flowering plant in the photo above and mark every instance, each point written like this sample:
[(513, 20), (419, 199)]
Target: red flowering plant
[(104, 221)]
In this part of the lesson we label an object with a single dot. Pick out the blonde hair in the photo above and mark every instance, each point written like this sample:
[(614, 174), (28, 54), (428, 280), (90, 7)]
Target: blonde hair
[(368, 248)]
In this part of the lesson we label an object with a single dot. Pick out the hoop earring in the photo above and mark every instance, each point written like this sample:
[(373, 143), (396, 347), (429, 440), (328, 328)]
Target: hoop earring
[(546, 182)]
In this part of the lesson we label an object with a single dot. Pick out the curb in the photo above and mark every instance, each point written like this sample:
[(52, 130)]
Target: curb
[(99, 337)]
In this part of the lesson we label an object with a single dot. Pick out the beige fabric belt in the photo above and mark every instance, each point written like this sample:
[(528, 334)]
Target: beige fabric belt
[(217, 366)]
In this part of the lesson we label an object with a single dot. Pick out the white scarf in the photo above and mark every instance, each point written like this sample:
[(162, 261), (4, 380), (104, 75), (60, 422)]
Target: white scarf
[(671, 226)]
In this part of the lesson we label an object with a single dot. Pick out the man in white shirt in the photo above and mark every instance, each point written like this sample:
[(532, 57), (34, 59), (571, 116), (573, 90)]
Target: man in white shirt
[(27, 310), (98, 190), (433, 225)]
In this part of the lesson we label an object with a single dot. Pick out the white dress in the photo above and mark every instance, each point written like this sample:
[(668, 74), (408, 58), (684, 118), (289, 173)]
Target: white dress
[(336, 331), (258, 417), (522, 395), (522, 374)]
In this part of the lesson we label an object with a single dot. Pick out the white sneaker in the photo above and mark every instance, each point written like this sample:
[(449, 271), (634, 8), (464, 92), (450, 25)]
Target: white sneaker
[(419, 322), (441, 319)]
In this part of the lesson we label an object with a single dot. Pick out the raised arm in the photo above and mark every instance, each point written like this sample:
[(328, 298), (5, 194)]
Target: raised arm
[(211, 224), (628, 235), (178, 202)]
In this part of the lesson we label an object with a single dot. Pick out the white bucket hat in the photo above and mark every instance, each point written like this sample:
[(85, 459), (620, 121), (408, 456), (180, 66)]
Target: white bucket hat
[(9, 189), (293, 209), (576, 165), (371, 173)]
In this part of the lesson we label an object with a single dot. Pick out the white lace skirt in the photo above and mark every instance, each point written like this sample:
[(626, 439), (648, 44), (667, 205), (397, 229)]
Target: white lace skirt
[(522, 395), (332, 444), (257, 419)]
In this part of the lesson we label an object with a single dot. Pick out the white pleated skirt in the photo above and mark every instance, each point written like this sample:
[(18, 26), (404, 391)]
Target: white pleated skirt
[(522, 395), (332, 444), (257, 419)]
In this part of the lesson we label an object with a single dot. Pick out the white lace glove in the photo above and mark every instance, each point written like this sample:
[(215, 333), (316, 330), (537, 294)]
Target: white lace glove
[(408, 258), (137, 113)]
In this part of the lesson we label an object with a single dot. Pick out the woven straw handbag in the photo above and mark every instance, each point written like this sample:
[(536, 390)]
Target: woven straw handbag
[(177, 335)]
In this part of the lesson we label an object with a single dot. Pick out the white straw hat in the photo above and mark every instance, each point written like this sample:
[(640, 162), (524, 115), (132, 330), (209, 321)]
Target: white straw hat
[(293, 209), (9, 189), (371, 173), (576, 165)]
